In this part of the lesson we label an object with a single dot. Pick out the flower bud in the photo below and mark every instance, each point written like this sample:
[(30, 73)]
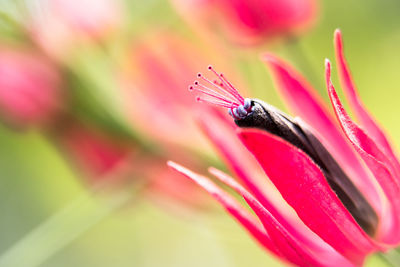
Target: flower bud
[(29, 88)]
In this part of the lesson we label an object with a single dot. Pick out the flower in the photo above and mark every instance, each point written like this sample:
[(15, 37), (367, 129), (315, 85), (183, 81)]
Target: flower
[(251, 21), (103, 158), (338, 182), (30, 88), (99, 155), (62, 24)]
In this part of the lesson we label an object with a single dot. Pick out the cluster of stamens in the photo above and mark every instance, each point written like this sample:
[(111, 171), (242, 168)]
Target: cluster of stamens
[(221, 92)]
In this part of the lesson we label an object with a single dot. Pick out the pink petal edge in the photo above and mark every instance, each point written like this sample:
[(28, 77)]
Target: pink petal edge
[(366, 120), (241, 162), (300, 253), (306, 103), (232, 206), (376, 161)]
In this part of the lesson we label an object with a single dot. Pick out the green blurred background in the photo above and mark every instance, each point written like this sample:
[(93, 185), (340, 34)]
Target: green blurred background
[(50, 219)]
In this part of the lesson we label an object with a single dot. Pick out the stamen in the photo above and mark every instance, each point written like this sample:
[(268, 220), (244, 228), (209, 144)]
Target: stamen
[(221, 92), (231, 112), (215, 102), (228, 85), (220, 89), (212, 93), (218, 83), (233, 89)]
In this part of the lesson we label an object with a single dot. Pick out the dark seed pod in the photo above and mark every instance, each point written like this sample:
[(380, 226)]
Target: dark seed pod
[(296, 132)]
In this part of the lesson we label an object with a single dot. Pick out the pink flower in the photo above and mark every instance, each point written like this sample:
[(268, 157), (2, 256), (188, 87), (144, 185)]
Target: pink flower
[(105, 158), (339, 183), (99, 155), (251, 21), (63, 24), (30, 92)]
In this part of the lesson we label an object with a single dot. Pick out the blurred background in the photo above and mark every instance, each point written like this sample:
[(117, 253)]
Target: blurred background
[(94, 101)]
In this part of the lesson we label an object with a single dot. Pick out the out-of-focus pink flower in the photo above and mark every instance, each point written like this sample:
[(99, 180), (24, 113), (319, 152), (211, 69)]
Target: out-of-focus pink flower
[(104, 158), (341, 181), (30, 92), (250, 21), (61, 24), (99, 155)]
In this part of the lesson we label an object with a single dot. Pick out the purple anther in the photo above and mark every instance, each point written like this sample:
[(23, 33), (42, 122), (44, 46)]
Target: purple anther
[(235, 112), (242, 112), (247, 104)]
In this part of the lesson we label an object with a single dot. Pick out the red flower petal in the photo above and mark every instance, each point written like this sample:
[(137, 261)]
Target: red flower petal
[(240, 160), (305, 102), (366, 120), (296, 252), (305, 188), (376, 161), (231, 205)]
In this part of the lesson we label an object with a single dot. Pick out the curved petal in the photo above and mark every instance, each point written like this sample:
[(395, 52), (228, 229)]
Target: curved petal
[(241, 162), (305, 188), (232, 206), (305, 102), (274, 237), (376, 161), (315, 257), (366, 120)]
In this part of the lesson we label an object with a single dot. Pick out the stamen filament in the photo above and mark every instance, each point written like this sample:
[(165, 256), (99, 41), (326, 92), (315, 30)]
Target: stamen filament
[(234, 91), (216, 102), (226, 97), (222, 90), (219, 92), (229, 87), (211, 93)]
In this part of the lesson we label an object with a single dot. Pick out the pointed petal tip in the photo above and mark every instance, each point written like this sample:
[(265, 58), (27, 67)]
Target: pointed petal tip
[(268, 56), (212, 169), (328, 73), (179, 168), (327, 63), (272, 60), (172, 164), (338, 40)]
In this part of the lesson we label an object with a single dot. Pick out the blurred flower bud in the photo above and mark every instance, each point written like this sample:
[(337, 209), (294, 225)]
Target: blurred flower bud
[(102, 158), (97, 154), (29, 88), (250, 21)]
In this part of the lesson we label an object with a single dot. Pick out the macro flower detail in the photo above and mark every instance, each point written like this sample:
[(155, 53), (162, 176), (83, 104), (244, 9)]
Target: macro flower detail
[(338, 182)]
